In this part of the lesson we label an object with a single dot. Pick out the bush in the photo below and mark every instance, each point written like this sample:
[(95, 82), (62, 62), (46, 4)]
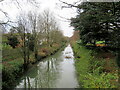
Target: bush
[(5, 46), (10, 72), (13, 41)]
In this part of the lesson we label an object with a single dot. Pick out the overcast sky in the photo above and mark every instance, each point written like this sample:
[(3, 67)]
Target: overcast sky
[(10, 6)]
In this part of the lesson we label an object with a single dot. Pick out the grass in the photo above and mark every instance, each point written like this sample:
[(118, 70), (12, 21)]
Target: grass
[(91, 70), (81, 63), (11, 54)]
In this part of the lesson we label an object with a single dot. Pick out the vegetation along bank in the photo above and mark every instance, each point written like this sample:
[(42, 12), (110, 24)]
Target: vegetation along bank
[(23, 46)]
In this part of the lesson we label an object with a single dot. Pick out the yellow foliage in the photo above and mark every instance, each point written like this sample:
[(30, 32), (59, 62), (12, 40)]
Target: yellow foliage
[(101, 45)]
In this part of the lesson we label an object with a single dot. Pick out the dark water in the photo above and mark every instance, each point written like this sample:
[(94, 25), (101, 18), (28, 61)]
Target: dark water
[(56, 71)]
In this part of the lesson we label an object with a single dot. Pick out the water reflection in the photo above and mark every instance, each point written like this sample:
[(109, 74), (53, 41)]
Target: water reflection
[(53, 72)]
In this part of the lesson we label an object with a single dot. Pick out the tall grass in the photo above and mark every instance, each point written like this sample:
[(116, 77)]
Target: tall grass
[(90, 70)]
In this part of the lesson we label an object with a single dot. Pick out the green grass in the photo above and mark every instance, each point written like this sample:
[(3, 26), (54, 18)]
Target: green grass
[(81, 63), (9, 54), (90, 70)]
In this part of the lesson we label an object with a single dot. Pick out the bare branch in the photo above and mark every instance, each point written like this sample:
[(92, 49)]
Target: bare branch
[(34, 2), (18, 5), (69, 5), (5, 13), (1, 0), (8, 21), (77, 2)]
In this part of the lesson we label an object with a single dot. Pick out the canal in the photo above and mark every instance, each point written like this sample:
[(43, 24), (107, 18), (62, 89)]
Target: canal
[(56, 71)]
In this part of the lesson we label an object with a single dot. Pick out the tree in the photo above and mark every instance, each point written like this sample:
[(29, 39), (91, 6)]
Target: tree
[(99, 21), (96, 21), (33, 24), (24, 31), (56, 36), (48, 24)]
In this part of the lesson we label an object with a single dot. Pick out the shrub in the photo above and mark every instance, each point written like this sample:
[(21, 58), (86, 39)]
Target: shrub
[(10, 72), (5, 46), (13, 41)]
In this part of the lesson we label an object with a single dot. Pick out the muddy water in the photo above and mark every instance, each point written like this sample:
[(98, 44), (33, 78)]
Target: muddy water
[(56, 71)]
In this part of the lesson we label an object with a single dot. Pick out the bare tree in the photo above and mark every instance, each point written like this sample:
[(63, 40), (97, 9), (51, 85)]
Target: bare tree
[(47, 21), (33, 18), (24, 31)]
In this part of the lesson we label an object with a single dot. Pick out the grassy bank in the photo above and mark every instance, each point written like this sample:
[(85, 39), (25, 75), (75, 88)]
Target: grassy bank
[(12, 62), (94, 71)]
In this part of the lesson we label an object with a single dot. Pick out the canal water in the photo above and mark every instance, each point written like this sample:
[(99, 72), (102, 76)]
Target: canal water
[(56, 71)]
